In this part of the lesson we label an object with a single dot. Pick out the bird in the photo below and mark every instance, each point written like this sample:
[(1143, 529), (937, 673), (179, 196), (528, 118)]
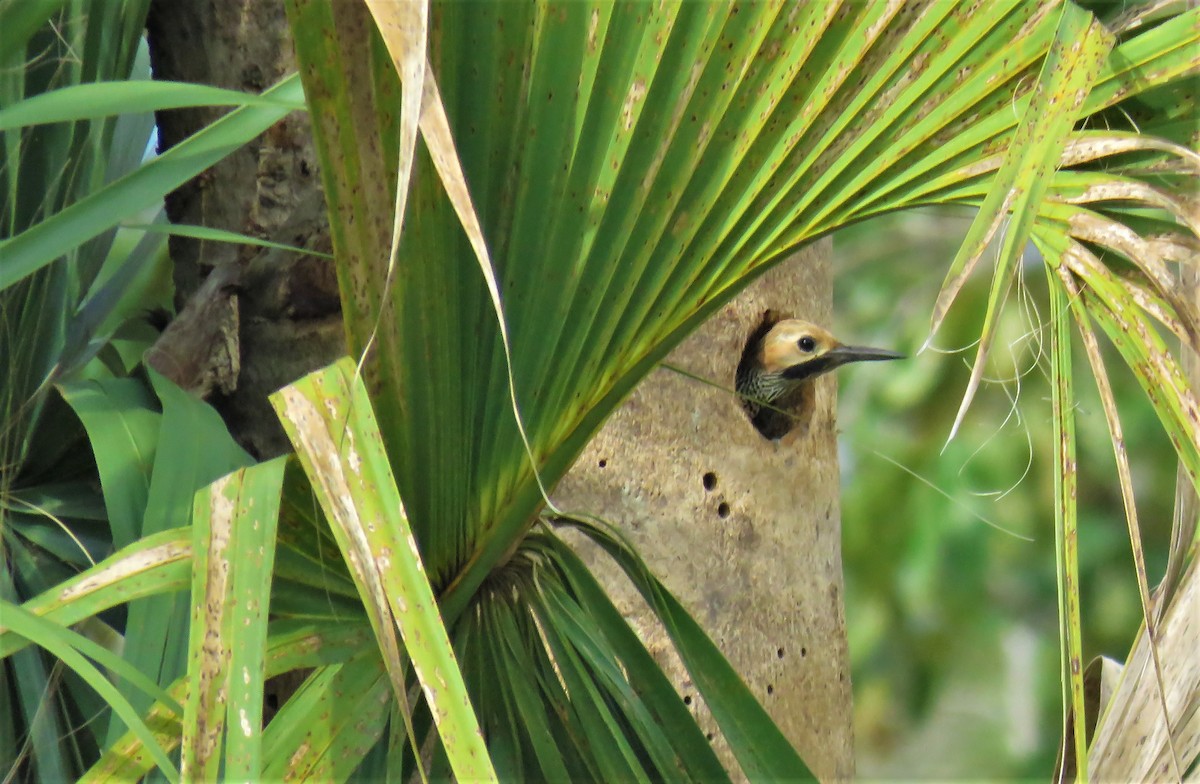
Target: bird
[(781, 358)]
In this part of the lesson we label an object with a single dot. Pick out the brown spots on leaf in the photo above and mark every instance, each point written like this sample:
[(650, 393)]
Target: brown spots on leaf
[(629, 110), (593, 28)]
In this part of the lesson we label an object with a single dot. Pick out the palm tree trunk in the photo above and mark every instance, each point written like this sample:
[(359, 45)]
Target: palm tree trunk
[(745, 531)]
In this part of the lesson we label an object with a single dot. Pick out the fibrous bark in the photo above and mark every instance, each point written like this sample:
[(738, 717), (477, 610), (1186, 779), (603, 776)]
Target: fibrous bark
[(281, 318)]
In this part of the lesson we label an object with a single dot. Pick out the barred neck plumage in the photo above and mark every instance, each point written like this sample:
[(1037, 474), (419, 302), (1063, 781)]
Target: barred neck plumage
[(757, 387)]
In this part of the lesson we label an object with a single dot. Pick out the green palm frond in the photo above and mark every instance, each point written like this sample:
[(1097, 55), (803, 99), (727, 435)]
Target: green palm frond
[(633, 167)]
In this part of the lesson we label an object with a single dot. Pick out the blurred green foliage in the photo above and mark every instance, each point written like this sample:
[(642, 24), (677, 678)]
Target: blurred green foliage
[(953, 622)]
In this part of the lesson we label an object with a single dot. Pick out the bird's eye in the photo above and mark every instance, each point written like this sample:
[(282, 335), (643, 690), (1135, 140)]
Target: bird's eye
[(806, 343)]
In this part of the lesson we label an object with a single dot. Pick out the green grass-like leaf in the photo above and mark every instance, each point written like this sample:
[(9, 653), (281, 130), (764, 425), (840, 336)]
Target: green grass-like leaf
[(152, 565), (104, 99), (234, 523), (1066, 520), (141, 189), (329, 419), (65, 645), (761, 749), (220, 235)]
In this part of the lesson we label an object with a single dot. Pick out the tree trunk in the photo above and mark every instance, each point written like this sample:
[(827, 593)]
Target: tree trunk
[(280, 309), (745, 531)]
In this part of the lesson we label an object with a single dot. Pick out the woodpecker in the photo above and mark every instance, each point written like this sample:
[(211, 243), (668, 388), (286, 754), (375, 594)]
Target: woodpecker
[(781, 358)]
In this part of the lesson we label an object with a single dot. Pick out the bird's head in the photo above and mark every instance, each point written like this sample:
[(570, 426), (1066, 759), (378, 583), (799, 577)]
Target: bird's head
[(781, 357), (797, 350)]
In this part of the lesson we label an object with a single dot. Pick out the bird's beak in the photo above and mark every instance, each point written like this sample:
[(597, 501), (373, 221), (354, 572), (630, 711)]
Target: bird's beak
[(843, 355), (836, 357)]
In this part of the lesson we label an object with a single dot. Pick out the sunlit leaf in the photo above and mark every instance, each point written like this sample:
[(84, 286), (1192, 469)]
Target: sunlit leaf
[(329, 419)]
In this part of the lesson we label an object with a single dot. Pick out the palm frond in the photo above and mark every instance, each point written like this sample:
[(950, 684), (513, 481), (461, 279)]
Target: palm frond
[(633, 168)]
